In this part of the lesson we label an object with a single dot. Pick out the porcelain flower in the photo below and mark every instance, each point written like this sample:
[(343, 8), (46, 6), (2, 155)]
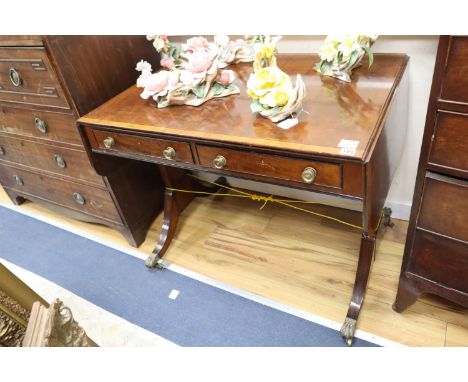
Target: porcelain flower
[(266, 79), (167, 62), (221, 40), (159, 41), (226, 77), (348, 45), (155, 84), (143, 66), (199, 61), (328, 51), (196, 43), (278, 97)]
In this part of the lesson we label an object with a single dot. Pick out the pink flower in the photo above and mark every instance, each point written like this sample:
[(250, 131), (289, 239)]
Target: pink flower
[(197, 43), (199, 61), (167, 62), (226, 77), (155, 83)]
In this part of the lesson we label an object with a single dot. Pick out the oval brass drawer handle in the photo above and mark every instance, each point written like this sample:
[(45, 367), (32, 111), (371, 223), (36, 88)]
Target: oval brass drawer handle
[(18, 180), (169, 153), (109, 142), (219, 162), (15, 77), (78, 198), (2, 151), (40, 125), (309, 174), (60, 161)]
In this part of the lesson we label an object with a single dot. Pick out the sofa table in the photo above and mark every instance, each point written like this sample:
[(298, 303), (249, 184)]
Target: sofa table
[(347, 143)]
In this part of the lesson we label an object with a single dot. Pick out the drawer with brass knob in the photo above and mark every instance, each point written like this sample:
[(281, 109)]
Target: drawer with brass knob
[(45, 125), (129, 144), (84, 198), (27, 77), (68, 162), (290, 169)]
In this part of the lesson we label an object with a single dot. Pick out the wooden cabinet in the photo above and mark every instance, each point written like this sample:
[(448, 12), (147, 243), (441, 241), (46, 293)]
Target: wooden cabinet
[(46, 84), (436, 251)]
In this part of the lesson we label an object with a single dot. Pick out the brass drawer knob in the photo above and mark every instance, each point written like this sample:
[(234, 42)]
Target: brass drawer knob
[(15, 77), (18, 180), (309, 174), (78, 198), (60, 161), (109, 142), (2, 151), (219, 162), (40, 125), (169, 153)]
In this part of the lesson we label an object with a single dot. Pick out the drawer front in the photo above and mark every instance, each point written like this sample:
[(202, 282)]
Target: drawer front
[(145, 146), (444, 206), (40, 124), (27, 77), (450, 144), (441, 260), (326, 174), (455, 83), (83, 198), (58, 160)]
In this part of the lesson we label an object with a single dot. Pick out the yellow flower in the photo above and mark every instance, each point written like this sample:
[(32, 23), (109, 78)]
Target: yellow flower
[(277, 97), (264, 80)]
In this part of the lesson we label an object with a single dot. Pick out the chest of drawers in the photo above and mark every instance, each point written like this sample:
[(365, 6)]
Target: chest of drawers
[(436, 251), (46, 84)]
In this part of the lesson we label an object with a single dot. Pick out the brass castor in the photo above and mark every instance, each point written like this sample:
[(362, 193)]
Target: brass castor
[(387, 217), (154, 262), (347, 330)]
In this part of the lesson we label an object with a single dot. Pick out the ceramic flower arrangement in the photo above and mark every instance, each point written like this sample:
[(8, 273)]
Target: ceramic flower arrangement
[(189, 76), (272, 92), (341, 54)]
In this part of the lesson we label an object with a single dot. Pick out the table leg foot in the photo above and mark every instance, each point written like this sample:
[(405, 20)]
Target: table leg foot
[(347, 330), (154, 262), (366, 252)]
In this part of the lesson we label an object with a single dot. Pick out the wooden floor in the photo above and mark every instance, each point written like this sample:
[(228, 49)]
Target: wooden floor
[(300, 260)]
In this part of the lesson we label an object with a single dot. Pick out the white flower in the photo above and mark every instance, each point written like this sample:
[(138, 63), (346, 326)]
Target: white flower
[(143, 66), (221, 40), (328, 51), (348, 45)]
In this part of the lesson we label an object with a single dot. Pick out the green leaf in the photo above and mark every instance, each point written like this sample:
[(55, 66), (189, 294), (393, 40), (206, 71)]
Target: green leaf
[(199, 91), (370, 55), (176, 53), (232, 88), (353, 58), (218, 89), (256, 106), (325, 66)]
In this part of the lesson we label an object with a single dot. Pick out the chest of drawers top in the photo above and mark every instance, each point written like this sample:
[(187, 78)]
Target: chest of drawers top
[(332, 110)]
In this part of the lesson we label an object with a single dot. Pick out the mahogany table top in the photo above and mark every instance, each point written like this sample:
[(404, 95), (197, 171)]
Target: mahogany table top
[(333, 110)]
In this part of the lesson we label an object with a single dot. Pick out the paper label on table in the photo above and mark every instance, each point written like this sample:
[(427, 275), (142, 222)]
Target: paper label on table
[(288, 123), (348, 147), (174, 293)]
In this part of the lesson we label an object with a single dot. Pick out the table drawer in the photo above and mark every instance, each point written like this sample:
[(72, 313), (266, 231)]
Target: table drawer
[(444, 206), (58, 160), (441, 260), (290, 169), (159, 148), (27, 77), (83, 198), (40, 124), (450, 143)]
